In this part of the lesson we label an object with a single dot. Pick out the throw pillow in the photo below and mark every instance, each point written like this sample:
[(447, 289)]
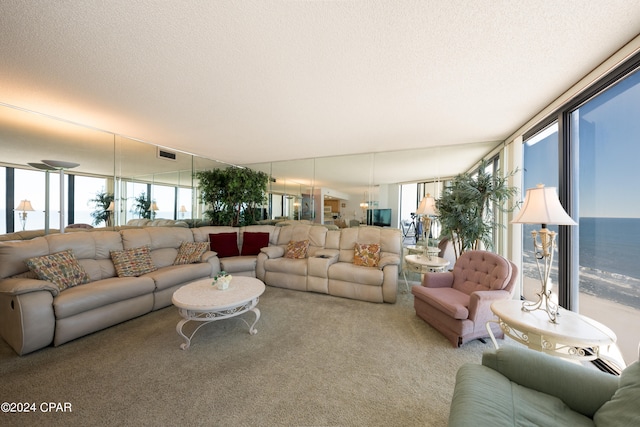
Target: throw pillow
[(297, 250), (133, 262), (252, 242), (366, 255), (623, 408), (60, 268), (225, 244), (190, 252)]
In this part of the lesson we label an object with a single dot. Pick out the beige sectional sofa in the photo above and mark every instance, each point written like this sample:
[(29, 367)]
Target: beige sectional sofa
[(35, 313)]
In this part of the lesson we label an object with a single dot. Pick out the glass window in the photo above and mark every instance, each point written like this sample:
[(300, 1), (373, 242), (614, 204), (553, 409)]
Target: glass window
[(606, 130), (540, 167), (164, 198), (86, 189)]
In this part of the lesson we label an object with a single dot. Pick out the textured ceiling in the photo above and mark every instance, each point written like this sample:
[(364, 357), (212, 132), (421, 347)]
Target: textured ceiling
[(258, 81)]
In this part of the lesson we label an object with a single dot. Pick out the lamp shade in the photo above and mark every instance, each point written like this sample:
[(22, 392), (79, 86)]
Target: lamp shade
[(183, 209), (111, 206), (427, 206), (542, 206), (154, 207), (24, 206)]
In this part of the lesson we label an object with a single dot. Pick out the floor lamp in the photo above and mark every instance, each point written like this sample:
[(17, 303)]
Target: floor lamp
[(542, 206), (46, 169), (61, 166)]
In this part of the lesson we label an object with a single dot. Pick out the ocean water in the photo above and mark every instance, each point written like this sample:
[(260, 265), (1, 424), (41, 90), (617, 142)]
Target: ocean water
[(609, 259)]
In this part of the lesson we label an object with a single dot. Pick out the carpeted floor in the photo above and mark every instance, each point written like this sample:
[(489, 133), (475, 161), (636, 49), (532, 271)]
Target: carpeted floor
[(316, 360)]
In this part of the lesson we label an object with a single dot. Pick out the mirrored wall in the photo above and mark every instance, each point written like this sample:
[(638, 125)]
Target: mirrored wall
[(110, 164)]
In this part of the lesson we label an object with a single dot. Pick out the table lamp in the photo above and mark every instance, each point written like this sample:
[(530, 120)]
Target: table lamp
[(23, 207), (542, 206), (426, 210)]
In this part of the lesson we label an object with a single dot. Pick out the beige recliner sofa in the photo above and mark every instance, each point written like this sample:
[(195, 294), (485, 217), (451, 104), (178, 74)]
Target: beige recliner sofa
[(329, 266), (35, 313)]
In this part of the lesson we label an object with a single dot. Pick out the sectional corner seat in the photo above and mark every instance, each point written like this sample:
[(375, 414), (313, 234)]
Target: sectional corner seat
[(34, 313)]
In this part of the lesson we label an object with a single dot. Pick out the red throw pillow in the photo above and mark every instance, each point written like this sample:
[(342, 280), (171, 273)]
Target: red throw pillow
[(225, 244), (253, 242)]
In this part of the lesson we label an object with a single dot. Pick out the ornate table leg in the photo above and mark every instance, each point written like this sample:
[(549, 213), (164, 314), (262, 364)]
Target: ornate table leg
[(252, 329), (187, 340)]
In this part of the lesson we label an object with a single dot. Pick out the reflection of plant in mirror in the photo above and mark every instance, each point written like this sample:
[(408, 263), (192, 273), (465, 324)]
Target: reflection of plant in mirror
[(467, 208), (234, 195), (100, 214), (142, 206)]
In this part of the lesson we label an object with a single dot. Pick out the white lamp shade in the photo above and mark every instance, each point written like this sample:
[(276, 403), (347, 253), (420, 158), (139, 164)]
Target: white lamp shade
[(154, 206), (542, 206), (427, 206), (111, 206), (24, 206), (183, 208)]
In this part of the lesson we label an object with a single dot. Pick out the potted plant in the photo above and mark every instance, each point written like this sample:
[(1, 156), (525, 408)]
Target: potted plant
[(101, 203), (468, 206), (234, 195), (142, 206)]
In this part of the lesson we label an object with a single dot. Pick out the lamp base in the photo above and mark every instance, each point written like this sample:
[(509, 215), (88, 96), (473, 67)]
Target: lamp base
[(543, 303)]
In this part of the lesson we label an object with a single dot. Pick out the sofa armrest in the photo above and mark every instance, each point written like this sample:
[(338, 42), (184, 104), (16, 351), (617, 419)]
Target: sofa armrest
[(388, 260), (208, 255), (584, 390), (14, 286), (438, 280), (273, 251)]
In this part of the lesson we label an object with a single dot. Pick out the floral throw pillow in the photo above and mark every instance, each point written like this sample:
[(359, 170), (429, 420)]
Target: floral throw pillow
[(190, 252), (297, 250), (133, 262), (60, 268), (366, 255)]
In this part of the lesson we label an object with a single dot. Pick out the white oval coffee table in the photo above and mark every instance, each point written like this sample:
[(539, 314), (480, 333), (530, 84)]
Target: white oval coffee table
[(203, 302)]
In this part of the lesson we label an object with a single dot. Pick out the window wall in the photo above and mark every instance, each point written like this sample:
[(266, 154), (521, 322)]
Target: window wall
[(590, 153)]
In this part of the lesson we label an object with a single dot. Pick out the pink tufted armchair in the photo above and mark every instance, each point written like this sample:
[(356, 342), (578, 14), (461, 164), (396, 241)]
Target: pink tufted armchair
[(458, 303)]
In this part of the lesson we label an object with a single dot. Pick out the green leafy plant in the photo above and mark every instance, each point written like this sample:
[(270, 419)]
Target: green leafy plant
[(233, 195), (142, 206), (100, 204), (468, 206)]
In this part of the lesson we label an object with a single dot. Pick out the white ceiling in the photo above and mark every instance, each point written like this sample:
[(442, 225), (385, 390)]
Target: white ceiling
[(258, 81)]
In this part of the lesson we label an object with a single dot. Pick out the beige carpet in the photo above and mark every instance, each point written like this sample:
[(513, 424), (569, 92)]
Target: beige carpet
[(317, 360)]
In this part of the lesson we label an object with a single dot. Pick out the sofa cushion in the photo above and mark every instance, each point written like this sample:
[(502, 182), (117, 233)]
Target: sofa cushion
[(297, 249), (239, 264), (252, 242), (190, 252), (483, 396), (624, 408), (347, 272), (133, 262), (99, 294), (447, 300), (173, 275), (60, 268), (366, 254), (225, 244)]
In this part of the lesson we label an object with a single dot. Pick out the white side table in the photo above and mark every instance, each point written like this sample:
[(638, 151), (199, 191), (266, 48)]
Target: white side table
[(423, 264), (574, 336)]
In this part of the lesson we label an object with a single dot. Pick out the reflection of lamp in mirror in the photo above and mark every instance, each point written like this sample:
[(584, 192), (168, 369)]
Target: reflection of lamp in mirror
[(110, 210), (154, 208), (61, 166), (46, 169), (426, 210), (23, 207), (183, 211), (542, 206)]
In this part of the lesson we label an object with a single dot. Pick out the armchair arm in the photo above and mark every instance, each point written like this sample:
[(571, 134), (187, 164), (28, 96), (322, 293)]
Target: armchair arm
[(273, 251), (583, 390), (388, 260), (438, 280), (23, 286), (480, 304)]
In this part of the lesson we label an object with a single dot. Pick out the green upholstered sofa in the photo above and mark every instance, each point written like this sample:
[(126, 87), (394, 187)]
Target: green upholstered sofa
[(520, 387)]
